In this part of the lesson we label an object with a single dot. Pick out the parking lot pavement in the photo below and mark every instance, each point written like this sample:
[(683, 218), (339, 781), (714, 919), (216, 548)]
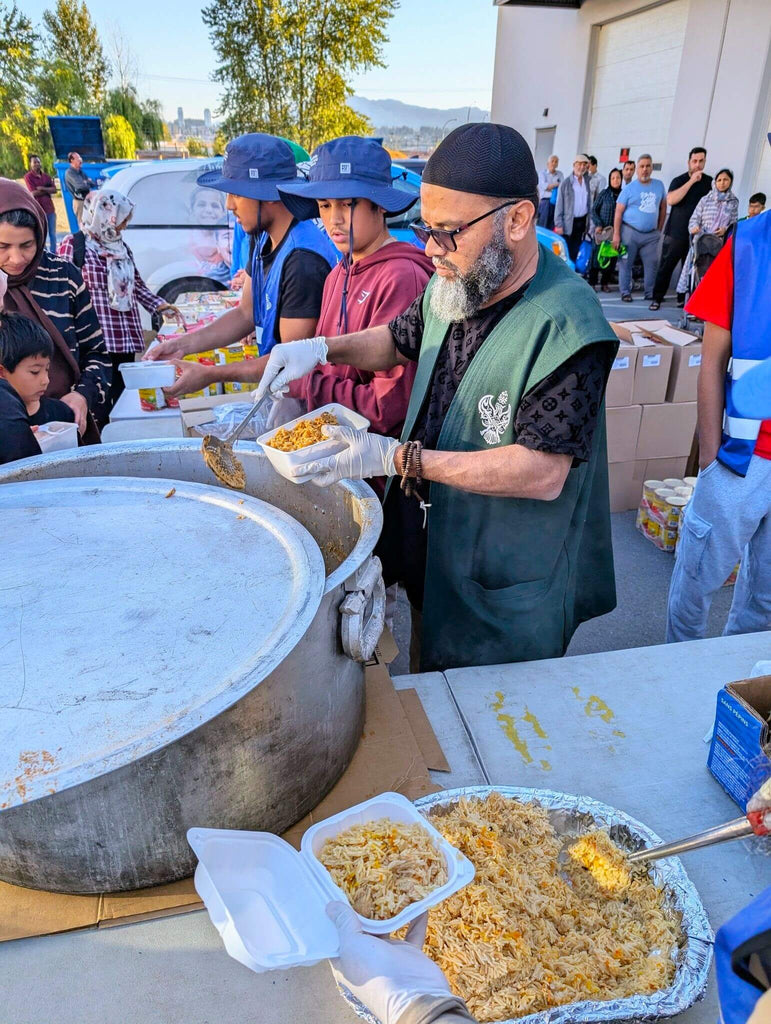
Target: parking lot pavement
[(642, 584)]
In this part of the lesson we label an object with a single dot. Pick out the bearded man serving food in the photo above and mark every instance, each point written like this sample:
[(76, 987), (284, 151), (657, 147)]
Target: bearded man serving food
[(500, 530)]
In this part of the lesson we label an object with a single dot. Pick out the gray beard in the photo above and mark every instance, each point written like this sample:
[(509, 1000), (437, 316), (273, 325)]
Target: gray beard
[(456, 299)]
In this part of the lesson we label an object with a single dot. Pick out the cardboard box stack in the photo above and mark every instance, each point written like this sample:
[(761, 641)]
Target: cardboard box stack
[(651, 407)]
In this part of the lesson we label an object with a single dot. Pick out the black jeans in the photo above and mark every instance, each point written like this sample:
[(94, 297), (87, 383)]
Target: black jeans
[(673, 251), (546, 214), (576, 236)]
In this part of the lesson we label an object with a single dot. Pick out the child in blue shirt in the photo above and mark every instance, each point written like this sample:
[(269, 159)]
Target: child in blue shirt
[(25, 355)]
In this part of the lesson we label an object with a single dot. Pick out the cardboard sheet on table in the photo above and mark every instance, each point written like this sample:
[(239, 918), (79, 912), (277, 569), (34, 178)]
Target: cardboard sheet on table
[(423, 731), (389, 757)]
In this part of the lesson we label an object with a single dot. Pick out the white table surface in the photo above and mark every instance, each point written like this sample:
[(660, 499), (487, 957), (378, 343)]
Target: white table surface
[(175, 970), (662, 699), (128, 413)]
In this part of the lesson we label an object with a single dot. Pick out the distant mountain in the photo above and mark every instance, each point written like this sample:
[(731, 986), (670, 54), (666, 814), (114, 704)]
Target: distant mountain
[(394, 113)]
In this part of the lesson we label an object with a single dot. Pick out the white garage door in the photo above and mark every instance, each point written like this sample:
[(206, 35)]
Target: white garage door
[(635, 76)]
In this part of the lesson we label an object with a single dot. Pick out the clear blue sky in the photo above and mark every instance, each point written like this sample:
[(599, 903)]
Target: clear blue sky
[(440, 52)]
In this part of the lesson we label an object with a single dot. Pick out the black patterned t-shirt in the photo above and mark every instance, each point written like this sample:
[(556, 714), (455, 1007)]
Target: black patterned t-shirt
[(558, 415)]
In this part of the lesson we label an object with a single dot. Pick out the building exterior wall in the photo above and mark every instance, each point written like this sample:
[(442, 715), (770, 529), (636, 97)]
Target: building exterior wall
[(545, 59)]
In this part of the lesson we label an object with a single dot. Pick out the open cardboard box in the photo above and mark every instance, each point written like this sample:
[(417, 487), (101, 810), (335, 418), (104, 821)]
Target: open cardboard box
[(686, 354), (396, 748), (739, 751)]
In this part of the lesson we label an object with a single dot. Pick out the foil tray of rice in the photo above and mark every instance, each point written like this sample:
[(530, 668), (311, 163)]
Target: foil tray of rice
[(531, 941)]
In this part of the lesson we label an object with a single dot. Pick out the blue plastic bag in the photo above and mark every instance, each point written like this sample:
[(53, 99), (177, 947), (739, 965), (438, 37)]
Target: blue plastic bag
[(584, 257)]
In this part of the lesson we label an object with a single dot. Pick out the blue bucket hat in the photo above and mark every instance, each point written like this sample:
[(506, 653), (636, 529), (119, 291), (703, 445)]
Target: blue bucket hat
[(253, 167), (346, 168)]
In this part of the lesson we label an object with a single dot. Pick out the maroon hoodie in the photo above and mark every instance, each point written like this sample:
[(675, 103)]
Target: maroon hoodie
[(381, 286)]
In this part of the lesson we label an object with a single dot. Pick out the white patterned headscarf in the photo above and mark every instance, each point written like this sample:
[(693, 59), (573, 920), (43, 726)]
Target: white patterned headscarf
[(104, 211)]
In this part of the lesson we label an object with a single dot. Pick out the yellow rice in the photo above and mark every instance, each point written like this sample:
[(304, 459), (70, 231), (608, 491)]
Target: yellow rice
[(384, 866), (520, 939)]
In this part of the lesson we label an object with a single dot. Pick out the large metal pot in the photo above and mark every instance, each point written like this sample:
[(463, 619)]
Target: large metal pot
[(262, 762)]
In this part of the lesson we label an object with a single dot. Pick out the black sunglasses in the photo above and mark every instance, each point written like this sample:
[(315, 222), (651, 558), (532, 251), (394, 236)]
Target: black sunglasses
[(446, 239)]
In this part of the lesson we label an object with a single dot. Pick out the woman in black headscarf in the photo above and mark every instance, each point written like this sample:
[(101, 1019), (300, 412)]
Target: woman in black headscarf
[(49, 290), (603, 212)]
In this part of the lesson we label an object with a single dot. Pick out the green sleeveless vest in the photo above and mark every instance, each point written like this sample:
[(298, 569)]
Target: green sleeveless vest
[(510, 579)]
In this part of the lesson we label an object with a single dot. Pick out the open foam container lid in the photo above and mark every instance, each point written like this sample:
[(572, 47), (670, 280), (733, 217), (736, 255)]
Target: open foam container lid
[(268, 902)]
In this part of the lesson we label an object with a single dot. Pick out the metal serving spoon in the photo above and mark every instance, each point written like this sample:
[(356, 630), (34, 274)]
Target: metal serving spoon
[(219, 456)]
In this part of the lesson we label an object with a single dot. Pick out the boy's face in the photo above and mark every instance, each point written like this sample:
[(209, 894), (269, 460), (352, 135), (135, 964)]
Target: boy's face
[(30, 378), (754, 209)]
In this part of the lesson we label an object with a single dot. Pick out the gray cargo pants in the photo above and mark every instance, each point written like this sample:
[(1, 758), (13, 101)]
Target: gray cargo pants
[(728, 518), (646, 245)]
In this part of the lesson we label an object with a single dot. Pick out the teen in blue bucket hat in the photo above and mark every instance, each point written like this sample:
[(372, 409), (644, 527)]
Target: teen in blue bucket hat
[(350, 189), (290, 261)]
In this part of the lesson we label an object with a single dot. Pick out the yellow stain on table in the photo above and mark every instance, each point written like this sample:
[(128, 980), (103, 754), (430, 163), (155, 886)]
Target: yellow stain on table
[(506, 723), (596, 707), (531, 719)]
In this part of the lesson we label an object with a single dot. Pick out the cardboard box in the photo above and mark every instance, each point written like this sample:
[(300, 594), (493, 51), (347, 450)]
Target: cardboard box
[(741, 734), (625, 485), (395, 746), (686, 353), (195, 411), (666, 431), (652, 370), (620, 384), (660, 469), (623, 428)]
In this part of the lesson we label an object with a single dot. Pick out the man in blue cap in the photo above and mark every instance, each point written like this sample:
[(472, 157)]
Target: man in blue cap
[(290, 260), (729, 517), (506, 420)]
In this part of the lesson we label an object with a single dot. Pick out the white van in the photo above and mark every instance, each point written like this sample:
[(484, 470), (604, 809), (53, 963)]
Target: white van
[(180, 234)]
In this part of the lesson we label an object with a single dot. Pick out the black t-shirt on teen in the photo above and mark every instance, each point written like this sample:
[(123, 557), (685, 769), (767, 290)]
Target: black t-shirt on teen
[(17, 441), (680, 213), (302, 282)]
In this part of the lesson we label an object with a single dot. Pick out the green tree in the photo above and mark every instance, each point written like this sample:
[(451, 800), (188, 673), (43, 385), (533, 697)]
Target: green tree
[(220, 142), (18, 43), (153, 124), (74, 40), (196, 148), (285, 64), (58, 85), (119, 138)]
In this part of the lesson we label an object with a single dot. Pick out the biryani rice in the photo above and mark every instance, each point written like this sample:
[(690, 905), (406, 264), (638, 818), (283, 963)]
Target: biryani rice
[(383, 866), (520, 939)]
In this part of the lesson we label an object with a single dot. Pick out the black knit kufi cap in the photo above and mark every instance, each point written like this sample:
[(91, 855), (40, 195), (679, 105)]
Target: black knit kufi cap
[(485, 160)]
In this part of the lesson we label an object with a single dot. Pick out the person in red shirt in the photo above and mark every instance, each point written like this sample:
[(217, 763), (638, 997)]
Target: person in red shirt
[(729, 516), (42, 187)]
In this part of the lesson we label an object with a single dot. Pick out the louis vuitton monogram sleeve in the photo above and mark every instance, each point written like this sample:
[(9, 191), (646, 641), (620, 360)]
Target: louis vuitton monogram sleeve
[(559, 415)]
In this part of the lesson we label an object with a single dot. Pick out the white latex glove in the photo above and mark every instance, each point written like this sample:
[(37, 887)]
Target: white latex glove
[(290, 361), (366, 455), (384, 974)]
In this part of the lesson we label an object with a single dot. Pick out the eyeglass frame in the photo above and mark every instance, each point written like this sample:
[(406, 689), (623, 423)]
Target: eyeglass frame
[(450, 233)]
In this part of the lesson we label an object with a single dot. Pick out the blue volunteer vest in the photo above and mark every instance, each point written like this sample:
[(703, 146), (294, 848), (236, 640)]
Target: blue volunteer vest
[(746, 935), (750, 333), (265, 289)]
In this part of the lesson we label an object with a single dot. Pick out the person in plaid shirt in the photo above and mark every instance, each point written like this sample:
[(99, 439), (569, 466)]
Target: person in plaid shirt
[(112, 278)]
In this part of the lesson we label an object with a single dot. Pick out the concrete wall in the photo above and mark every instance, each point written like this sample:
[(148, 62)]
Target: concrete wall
[(545, 59)]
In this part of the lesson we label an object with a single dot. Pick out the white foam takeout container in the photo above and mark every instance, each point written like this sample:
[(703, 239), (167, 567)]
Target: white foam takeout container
[(57, 436), (282, 461), (268, 901), (159, 374)]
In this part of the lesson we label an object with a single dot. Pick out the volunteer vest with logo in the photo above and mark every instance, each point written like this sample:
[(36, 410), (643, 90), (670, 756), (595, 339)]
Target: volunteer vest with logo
[(265, 290), (510, 579), (750, 333), (745, 937)]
